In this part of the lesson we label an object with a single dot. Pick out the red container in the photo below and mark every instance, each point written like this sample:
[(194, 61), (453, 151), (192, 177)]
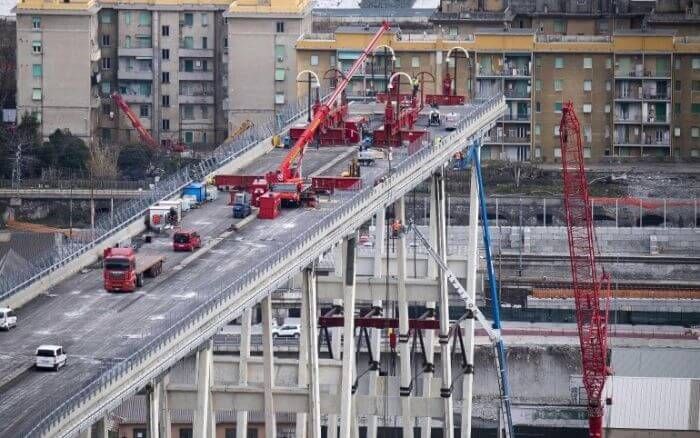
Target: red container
[(295, 132), (234, 182), (442, 99), (270, 204)]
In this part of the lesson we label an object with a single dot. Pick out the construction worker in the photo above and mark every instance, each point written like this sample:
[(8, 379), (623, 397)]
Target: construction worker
[(396, 228)]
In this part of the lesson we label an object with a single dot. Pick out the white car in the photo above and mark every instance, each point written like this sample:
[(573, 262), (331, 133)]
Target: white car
[(286, 331), (8, 318), (50, 356)]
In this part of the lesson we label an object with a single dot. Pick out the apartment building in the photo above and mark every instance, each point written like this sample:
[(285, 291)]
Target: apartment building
[(263, 67), (636, 93)]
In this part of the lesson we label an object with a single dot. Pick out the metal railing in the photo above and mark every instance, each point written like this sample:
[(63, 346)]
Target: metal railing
[(295, 250), (45, 264), (67, 184)]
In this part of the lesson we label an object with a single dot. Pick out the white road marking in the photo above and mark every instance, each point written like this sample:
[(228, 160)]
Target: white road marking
[(185, 296), (156, 317)]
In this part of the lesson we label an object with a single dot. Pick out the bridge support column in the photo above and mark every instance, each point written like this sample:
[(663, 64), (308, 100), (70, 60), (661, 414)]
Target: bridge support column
[(432, 268), (379, 228), (111, 211), (87, 433), (242, 416), (438, 185), (268, 369), (404, 332), (165, 428), (348, 374), (375, 343), (153, 392), (472, 264), (101, 428), (426, 422), (204, 412), (309, 320), (338, 259), (336, 334)]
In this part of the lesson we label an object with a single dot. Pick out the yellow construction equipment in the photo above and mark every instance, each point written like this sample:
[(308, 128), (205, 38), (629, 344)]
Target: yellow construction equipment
[(245, 125)]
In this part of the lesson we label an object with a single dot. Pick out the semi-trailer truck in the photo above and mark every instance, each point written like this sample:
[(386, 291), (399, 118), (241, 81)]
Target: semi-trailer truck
[(124, 270)]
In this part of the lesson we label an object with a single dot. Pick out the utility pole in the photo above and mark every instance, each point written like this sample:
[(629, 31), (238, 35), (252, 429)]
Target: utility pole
[(17, 170)]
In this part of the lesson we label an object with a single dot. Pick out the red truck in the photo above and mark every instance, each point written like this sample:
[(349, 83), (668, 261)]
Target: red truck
[(186, 240), (124, 270)]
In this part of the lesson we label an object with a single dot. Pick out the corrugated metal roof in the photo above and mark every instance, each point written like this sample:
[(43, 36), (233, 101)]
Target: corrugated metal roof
[(656, 362), (652, 403)]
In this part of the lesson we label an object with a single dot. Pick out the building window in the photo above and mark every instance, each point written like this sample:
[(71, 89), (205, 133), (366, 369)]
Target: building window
[(144, 111), (189, 137), (587, 108), (694, 153), (205, 42), (279, 27), (106, 63), (36, 94), (695, 132), (205, 112), (397, 62), (696, 63), (36, 70), (538, 129), (538, 108), (676, 132), (188, 19), (225, 43), (557, 107), (558, 84), (186, 432), (676, 108), (127, 17), (205, 20), (587, 85), (587, 62), (187, 112), (127, 42), (587, 134), (538, 85), (165, 101), (695, 108), (106, 109), (106, 87), (165, 30), (105, 40), (314, 59), (106, 17), (559, 26), (280, 52), (557, 152), (608, 86), (558, 62), (36, 46), (695, 85), (279, 98), (332, 60), (607, 109), (106, 135), (677, 85), (165, 54), (143, 41), (165, 125), (556, 130), (36, 22), (415, 62), (280, 74), (144, 18), (189, 65), (188, 42), (586, 152), (608, 63)]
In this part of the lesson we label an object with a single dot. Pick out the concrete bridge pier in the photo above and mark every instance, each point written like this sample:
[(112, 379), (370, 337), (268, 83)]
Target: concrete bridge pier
[(242, 416), (404, 332), (438, 198), (375, 342), (204, 419), (379, 230), (349, 370), (425, 422), (269, 369), (308, 366)]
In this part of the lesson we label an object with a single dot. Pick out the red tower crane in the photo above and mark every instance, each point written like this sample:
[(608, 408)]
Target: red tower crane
[(591, 289)]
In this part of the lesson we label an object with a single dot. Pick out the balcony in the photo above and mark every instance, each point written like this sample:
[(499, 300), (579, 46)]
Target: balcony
[(626, 143), (628, 119), (518, 118), (657, 120), (642, 74), (656, 96), (195, 53), (137, 98), (507, 140), (138, 52), (508, 72), (196, 75), (516, 94), (144, 75), (196, 99)]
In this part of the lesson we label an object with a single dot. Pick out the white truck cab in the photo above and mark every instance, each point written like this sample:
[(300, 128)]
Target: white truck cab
[(50, 356), (8, 318)]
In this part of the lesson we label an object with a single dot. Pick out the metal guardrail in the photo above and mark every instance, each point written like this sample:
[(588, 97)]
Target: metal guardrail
[(45, 264), (295, 250), (75, 184)]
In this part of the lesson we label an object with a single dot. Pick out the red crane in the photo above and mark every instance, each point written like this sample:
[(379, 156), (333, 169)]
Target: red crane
[(591, 317), (144, 135)]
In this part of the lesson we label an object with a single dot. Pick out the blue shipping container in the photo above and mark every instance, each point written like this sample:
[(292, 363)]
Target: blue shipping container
[(198, 190)]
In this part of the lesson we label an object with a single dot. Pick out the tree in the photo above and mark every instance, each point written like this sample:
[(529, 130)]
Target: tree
[(134, 161), (103, 162), (64, 151)]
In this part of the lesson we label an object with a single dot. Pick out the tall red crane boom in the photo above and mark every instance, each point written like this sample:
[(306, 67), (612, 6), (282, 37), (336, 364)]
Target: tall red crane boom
[(144, 135), (586, 282), (284, 171)]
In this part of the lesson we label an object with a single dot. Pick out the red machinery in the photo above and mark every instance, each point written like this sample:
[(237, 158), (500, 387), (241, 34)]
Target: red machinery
[(398, 123), (446, 98), (144, 135), (592, 320), (337, 127)]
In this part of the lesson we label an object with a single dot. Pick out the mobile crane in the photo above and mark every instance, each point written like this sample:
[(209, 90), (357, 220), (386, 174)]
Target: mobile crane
[(591, 319), (287, 180)]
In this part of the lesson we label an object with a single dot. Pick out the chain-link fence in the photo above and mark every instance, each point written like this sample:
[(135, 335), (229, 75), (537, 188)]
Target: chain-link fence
[(351, 204), (108, 225)]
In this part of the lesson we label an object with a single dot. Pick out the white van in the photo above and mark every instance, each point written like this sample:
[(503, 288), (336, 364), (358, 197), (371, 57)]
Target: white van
[(50, 356), (8, 318)]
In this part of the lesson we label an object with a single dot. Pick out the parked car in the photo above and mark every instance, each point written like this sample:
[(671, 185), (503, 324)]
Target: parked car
[(8, 318), (286, 331), (50, 356)]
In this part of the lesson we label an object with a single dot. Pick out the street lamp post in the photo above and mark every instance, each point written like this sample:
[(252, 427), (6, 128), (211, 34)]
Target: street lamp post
[(310, 84)]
